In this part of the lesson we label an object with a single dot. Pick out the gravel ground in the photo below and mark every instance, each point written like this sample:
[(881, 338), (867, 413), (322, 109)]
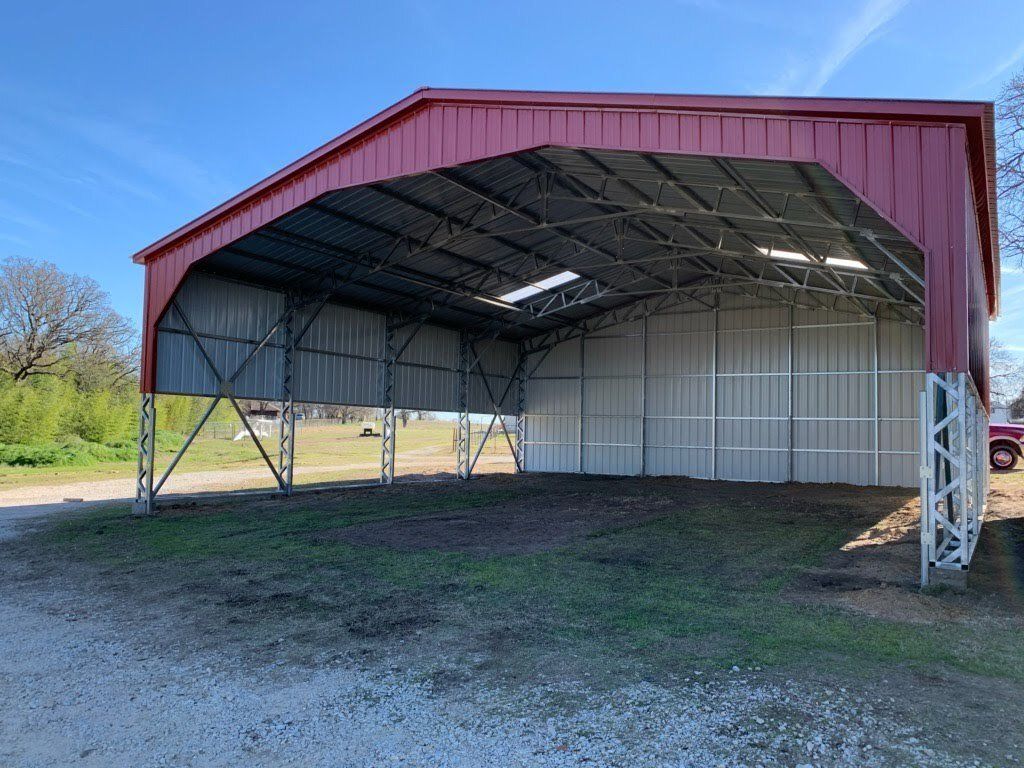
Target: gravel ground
[(34, 500), (75, 692), (81, 685)]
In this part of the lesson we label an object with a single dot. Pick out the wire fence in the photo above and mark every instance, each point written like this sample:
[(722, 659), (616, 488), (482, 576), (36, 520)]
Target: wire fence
[(264, 427)]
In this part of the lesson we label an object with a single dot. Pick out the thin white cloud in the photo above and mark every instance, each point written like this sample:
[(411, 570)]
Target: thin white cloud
[(805, 76), (852, 36), (995, 71), (154, 160)]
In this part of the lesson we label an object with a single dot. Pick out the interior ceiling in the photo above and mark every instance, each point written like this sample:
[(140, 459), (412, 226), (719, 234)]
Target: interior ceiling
[(450, 243)]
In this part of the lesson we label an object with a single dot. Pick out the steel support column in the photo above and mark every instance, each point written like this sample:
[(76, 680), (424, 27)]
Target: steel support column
[(286, 442), (462, 440), (790, 471), (147, 447), (954, 478), (643, 396), (521, 383), (579, 436), (387, 401), (714, 399)]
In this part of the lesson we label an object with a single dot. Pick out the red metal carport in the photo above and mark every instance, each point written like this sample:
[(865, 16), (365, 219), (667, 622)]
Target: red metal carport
[(925, 168)]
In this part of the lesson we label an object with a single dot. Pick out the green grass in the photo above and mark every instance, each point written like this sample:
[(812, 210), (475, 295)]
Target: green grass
[(701, 587), (327, 447)]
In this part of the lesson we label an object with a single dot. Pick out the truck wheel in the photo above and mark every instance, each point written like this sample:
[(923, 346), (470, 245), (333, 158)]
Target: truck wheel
[(1002, 457)]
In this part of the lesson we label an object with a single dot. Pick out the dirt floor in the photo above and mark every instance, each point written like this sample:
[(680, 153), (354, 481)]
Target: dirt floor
[(530, 620)]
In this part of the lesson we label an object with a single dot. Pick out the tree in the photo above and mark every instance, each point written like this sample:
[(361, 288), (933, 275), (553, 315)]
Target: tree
[(1010, 169), (1006, 374), (59, 324), (404, 416)]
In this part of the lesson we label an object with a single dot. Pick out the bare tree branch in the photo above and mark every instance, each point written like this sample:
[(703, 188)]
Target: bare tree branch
[(1010, 169), (56, 323)]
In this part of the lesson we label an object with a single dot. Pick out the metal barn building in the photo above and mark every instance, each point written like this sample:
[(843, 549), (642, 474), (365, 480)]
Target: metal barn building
[(764, 289)]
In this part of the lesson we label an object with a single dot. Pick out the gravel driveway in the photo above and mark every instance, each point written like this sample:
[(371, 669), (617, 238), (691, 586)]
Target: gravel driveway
[(82, 684)]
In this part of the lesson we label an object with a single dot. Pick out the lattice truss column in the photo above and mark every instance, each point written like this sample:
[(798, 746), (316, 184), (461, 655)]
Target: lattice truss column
[(286, 438), (147, 445), (387, 401), (954, 472), (462, 445), (520, 448)]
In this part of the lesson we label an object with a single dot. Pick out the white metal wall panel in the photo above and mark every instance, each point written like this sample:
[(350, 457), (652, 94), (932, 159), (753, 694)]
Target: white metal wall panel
[(498, 360), (553, 397), (321, 377), (831, 398), (338, 359)]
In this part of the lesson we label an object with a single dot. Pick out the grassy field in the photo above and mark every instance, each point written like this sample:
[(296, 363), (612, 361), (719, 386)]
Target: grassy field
[(338, 449), (683, 581)]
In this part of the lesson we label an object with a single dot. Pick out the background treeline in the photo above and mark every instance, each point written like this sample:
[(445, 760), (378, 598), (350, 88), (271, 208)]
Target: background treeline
[(68, 376)]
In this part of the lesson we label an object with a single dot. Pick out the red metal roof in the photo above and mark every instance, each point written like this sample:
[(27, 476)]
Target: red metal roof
[(910, 160), (976, 116)]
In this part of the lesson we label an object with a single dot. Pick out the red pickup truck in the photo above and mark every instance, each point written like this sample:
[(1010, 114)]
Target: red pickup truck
[(1005, 445)]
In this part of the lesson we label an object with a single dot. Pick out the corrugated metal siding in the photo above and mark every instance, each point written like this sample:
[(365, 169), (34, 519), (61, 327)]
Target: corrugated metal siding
[(817, 422), (337, 361), (912, 174)]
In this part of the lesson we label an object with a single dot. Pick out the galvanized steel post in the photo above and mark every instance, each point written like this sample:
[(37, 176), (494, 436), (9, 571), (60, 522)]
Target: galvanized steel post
[(579, 436), (714, 399), (643, 396), (789, 396), (952, 498), (387, 442), (521, 383), (463, 429), (147, 448), (286, 452)]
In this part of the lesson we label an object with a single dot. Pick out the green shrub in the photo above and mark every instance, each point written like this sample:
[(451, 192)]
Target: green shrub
[(72, 452), (32, 413)]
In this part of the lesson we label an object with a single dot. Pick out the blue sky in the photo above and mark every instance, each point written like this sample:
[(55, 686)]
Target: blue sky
[(122, 121)]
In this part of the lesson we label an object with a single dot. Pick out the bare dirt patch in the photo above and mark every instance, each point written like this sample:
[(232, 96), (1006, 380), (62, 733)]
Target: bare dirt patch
[(876, 573), (536, 523)]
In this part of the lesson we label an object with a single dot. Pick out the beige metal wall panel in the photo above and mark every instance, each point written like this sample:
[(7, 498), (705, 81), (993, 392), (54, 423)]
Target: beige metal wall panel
[(180, 367), (612, 397), (337, 360), (752, 396), (678, 433), (680, 322), (429, 346), (752, 433), (613, 356), (831, 395), (551, 458), (679, 352), (756, 350), (900, 347), (840, 467), (343, 330), (561, 430), (898, 393), (331, 378), (898, 437), (421, 388), (553, 397), (225, 308), (762, 466), (678, 461), (681, 396), (609, 430), (835, 348), (563, 360), (899, 470), (833, 435), (611, 460)]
